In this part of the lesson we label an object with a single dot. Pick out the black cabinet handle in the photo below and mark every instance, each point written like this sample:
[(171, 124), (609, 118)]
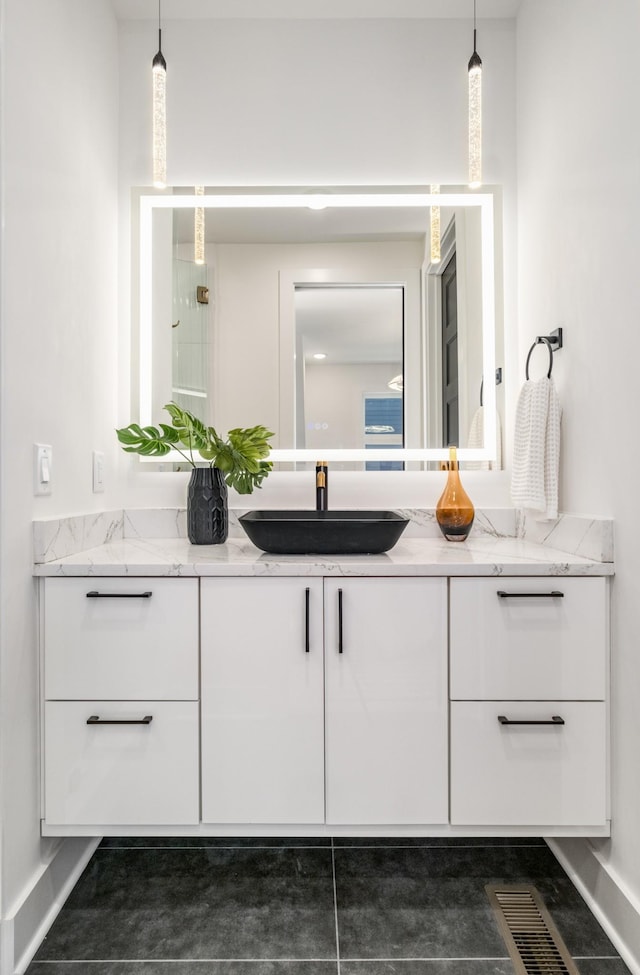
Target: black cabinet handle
[(340, 645), (118, 595), (306, 620), (555, 719), (554, 594), (94, 719)]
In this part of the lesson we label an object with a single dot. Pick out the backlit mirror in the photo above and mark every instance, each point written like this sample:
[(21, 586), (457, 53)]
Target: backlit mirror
[(321, 315)]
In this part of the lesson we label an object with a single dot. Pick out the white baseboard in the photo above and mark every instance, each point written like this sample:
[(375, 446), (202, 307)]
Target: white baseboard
[(24, 929), (616, 908)]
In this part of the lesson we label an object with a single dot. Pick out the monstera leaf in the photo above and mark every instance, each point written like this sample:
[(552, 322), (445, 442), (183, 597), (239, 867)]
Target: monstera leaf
[(192, 431), (148, 441), (241, 457)]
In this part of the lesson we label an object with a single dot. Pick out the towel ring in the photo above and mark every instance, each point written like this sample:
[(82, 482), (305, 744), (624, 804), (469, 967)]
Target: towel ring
[(539, 341)]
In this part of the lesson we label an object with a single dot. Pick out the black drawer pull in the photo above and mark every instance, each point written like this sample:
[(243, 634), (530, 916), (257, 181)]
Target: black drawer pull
[(555, 719), (340, 642), (95, 719), (554, 594), (118, 595), (306, 620)]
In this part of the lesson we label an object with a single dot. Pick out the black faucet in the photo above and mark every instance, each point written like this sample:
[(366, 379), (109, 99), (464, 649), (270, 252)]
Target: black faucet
[(322, 487)]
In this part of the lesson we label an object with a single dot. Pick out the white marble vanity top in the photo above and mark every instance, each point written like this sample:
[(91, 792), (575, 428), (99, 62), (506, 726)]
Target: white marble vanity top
[(482, 555)]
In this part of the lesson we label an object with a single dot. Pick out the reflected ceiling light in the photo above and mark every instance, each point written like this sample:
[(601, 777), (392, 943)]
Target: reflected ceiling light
[(397, 383), (159, 73), (198, 229), (319, 355), (475, 113), (317, 202), (435, 227)]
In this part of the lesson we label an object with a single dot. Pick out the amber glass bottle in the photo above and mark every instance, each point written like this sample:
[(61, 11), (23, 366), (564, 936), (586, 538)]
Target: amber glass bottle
[(454, 510)]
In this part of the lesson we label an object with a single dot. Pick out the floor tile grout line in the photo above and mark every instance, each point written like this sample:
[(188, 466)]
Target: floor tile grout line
[(475, 958), (438, 846), (257, 961), (342, 846), (335, 904), (127, 849)]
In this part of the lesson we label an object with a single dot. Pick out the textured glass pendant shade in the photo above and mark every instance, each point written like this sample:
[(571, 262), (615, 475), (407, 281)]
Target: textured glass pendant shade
[(159, 73), (198, 230), (475, 116), (435, 227)]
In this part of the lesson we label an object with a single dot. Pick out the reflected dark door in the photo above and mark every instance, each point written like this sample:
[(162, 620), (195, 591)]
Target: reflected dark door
[(449, 298)]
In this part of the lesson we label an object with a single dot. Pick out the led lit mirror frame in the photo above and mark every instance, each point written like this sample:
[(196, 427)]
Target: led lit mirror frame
[(316, 199)]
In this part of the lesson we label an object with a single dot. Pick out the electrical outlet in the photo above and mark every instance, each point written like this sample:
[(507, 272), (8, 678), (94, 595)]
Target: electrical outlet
[(98, 471), (42, 468)]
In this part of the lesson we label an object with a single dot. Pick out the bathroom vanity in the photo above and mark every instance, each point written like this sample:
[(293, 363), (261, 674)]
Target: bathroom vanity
[(436, 690)]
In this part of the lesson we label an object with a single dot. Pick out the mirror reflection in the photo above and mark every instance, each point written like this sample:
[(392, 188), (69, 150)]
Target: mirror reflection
[(330, 326), (349, 368)]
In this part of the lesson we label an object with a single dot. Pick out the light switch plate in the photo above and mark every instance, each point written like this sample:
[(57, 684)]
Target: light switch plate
[(98, 472), (42, 468)]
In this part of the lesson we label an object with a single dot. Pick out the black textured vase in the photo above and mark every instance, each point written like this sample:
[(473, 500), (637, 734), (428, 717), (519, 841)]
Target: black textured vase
[(207, 512)]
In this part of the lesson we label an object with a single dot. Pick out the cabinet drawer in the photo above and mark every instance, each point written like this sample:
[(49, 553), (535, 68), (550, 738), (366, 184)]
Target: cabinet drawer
[(121, 774), (527, 643), (121, 643), (528, 774)]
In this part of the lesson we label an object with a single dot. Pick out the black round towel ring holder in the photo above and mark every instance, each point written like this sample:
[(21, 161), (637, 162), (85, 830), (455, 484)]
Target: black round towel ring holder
[(540, 340)]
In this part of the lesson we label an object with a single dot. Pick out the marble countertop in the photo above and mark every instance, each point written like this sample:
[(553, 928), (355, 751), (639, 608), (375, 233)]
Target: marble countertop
[(483, 555)]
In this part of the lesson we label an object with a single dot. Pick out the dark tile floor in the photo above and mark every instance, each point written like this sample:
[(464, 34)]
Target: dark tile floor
[(256, 906)]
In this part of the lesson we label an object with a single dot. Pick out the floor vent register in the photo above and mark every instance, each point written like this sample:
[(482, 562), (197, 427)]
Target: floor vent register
[(534, 944)]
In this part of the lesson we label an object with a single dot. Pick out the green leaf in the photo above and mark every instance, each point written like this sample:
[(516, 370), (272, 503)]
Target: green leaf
[(191, 431), (241, 457), (146, 441)]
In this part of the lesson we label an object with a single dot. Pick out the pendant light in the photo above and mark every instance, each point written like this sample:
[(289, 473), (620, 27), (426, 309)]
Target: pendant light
[(198, 230), (475, 113), (435, 227), (159, 73)]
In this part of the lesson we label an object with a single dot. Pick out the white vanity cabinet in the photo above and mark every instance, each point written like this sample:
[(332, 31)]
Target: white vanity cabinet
[(312, 690), (252, 703), (528, 660), (120, 729)]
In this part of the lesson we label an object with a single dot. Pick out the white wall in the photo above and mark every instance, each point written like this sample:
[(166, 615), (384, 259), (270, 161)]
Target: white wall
[(58, 346), (302, 102), (579, 241)]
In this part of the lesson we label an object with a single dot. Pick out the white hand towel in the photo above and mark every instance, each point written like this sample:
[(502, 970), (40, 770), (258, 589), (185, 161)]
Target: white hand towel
[(476, 439), (536, 449)]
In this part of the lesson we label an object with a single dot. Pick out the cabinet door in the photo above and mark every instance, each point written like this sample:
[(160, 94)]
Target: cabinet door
[(386, 707), (262, 701)]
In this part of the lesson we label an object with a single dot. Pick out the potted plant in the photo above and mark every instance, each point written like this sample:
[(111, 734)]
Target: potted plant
[(238, 461)]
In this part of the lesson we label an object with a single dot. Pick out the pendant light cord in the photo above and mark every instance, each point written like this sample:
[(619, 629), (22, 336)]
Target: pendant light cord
[(160, 25), (474, 26)]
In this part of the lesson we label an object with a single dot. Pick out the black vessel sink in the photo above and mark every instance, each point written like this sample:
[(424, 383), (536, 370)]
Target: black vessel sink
[(323, 532)]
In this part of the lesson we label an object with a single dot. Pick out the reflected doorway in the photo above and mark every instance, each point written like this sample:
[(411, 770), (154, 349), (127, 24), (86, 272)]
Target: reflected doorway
[(349, 375), (450, 382)]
